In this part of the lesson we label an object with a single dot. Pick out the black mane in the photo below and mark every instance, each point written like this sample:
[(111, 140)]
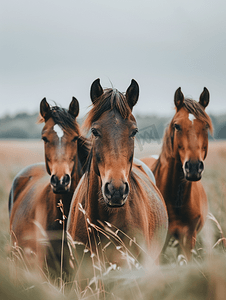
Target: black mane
[(111, 99)]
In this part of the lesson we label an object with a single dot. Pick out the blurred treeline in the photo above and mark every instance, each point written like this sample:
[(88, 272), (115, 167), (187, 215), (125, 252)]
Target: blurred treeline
[(24, 126)]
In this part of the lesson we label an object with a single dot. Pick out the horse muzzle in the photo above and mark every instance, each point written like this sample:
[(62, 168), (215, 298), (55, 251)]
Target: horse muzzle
[(115, 196), (193, 170), (60, 186)]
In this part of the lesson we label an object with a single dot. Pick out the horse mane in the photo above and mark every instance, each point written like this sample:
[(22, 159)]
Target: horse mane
[(84, 146), (192, 107), (89, 160), (62, 117), (111, 99)]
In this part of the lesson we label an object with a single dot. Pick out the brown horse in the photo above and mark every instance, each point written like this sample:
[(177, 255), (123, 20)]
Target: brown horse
[(179, 168), (113, 191), (39, 201)]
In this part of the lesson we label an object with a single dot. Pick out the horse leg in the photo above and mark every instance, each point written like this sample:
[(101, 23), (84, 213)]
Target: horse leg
[(59, 257), (41, 237), (186, 244), (187, 238), (163, 256)]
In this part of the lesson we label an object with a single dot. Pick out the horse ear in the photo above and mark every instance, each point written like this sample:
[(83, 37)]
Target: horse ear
[(74, 107), (132, 93), (204, 98), (96, 90), (178, 98), (44, 109)]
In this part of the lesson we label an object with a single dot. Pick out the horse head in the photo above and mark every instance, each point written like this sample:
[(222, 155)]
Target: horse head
[(189, 133), (113, 129), (60, 135)]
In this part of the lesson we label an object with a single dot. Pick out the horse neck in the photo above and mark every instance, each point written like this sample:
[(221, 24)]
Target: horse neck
[(77, 174), (170, 180), (66, 200), (54, 211)]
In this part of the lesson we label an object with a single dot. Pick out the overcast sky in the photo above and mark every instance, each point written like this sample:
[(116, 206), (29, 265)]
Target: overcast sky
[(56, 49)]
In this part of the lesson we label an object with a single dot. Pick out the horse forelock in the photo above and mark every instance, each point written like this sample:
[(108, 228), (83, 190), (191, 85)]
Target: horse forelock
[(63, 118), (196, 109), (111, 99)]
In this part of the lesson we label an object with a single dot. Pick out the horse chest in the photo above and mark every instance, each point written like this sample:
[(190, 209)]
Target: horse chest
[(179, 204)]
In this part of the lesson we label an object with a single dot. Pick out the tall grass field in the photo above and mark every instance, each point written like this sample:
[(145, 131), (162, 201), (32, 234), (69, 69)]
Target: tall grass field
[(202, 278)]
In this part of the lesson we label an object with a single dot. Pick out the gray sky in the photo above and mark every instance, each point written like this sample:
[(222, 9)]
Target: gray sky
[(56, 49)]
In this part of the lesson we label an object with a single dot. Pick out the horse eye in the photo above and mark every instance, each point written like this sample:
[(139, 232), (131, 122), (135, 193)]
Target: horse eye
[(177, 127), (75, 139), (95, 132), (134, 133), (45, 139)]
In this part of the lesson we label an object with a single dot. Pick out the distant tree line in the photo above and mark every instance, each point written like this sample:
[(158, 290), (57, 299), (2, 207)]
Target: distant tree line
[(24, 126), (21, 126)]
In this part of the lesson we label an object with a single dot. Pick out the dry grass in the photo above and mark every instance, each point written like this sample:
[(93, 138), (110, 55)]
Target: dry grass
[(204, 278)]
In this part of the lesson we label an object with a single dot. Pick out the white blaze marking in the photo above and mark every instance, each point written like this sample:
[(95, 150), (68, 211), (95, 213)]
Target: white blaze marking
[(58, 131), (191, 117)]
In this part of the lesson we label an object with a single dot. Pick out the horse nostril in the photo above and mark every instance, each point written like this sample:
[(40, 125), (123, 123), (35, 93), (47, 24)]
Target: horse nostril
[(125, 190), (116, 196), (66, 180), (54, 180), (200, 166), (187, 166), (108, 191)]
